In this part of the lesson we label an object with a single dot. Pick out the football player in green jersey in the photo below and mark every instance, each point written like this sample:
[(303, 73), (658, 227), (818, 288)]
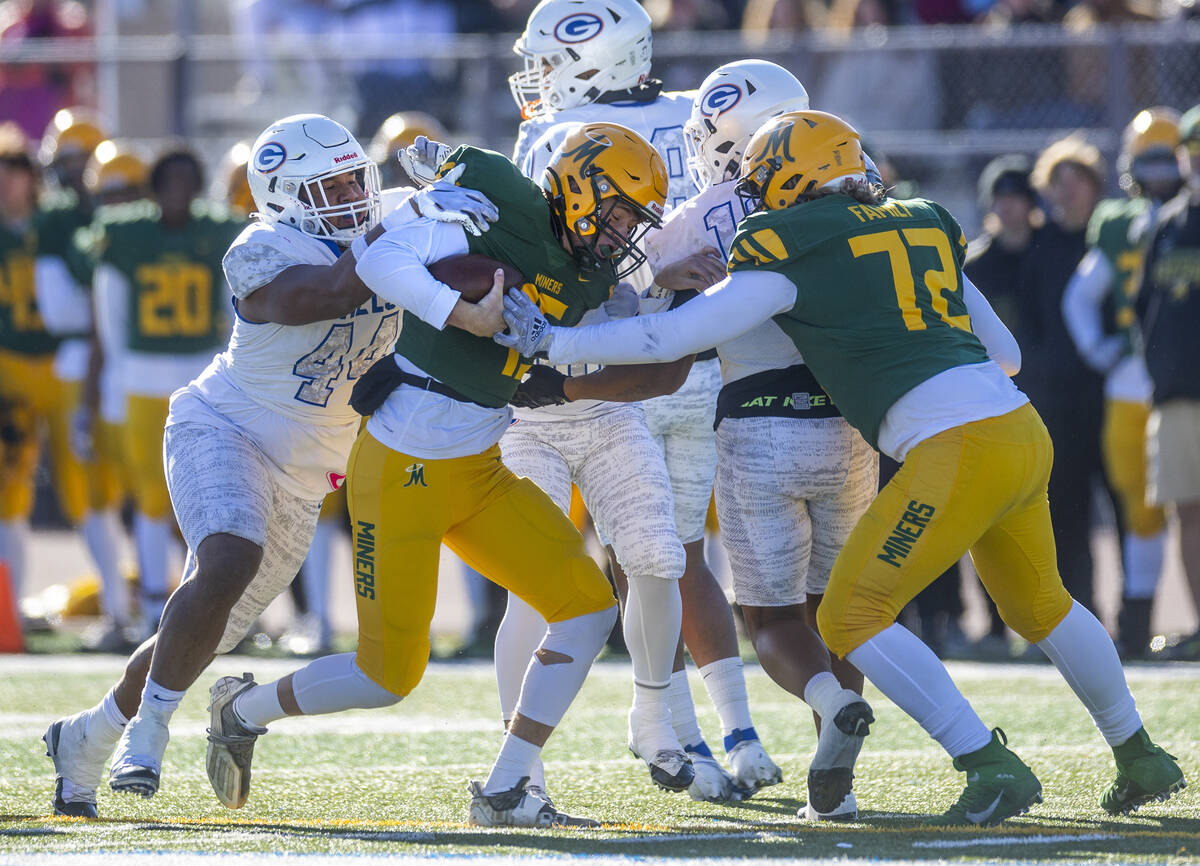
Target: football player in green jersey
[(1098, 309), (427, 468), (871, 291)]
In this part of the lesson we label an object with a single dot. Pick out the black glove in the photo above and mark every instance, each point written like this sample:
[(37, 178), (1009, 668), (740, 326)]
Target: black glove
[(543, 387), (374, 386)]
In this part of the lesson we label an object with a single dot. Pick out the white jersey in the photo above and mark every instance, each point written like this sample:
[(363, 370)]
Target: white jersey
[(659, 121), (709, 219), (288, 387)]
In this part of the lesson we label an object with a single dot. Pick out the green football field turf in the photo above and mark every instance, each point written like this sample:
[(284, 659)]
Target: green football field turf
[(391, 783)]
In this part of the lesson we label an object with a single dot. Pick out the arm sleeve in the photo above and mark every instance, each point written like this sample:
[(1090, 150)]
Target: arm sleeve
[(1081, 305), (110, 292), (394, 268), (727, 310), (999, 342), (63, 304)]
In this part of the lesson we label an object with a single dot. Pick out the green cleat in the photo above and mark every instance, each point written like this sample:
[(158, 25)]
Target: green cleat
[(1144, 773), (999, 786)]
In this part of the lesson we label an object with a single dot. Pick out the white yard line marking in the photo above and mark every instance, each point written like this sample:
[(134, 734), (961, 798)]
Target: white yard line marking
[(1016, 840)]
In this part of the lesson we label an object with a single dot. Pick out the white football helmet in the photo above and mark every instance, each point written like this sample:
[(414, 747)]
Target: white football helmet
[(730, 106), (576, 50), (289, 161)]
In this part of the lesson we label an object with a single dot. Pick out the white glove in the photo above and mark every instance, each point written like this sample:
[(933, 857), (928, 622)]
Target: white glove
[(528, 331), (420, 160), (623, 303), (447, 203)]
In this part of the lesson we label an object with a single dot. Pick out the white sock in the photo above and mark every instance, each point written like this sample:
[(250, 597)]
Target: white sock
[(653, 614), (151, 538), (824, 694), (515, 762), (114, 720), (329, 685), (1143, 555), (683, 711), (557, 669), (1085, 656), (101, 530), (912, 677), (520, 633), (315, 571), (159, 700), (259, 705), (726, 684), (14, 544)]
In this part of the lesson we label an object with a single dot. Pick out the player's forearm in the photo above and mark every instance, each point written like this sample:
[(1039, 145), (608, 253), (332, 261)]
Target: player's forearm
[(727, 310), (629, 383), (62, 303), (394, 267), (999, 342), (1081, 305)]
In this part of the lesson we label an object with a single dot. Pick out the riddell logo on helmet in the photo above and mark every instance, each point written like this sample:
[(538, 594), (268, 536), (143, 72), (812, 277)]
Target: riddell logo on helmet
[(579, 27), (344, 157), (720, 99)]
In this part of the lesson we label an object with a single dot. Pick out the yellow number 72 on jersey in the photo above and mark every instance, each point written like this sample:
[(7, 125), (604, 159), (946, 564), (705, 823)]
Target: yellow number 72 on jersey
[(936, 281)]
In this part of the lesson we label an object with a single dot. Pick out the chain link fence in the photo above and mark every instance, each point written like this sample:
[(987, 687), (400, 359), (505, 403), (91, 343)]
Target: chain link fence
[(937, 102)]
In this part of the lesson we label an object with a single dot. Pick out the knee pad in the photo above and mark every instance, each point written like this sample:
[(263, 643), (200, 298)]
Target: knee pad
[(590, 630)]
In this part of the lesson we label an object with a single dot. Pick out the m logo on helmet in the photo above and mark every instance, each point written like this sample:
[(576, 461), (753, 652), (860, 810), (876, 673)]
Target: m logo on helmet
[(269, 157), (585, 154), (579, 27), (778, 143), (720, 99)]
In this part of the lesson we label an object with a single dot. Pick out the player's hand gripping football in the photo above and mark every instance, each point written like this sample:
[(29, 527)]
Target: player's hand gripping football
[(483, 318), (528, 331), (420, 160), (447, 203)]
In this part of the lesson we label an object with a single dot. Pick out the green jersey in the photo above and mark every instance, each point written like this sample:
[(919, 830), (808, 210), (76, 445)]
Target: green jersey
[(177, 301), (879, 302), (477, 367), (21, 327), (59, 220), (1117, 229)]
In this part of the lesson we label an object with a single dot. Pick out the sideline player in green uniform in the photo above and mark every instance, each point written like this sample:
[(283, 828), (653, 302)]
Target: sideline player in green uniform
[(427, 468), (871, 291), (1098, 309)]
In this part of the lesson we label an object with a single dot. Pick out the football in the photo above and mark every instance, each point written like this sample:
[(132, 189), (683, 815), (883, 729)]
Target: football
[(471, 274)]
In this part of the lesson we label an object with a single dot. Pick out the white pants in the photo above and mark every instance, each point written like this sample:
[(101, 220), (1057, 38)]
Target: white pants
[(788, 493)]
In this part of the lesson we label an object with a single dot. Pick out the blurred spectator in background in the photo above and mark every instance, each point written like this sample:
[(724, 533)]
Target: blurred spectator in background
[(31, 93), (1087, 81), (383, 86), (256, 23), (995, 263), (1169, 311), (688, 14), (852, 83), (1066, 392), (761, 18), (1004, 13)]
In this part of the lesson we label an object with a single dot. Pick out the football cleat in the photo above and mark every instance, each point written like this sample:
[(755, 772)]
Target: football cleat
[(846, 810), (77, 771), (1144, 772), (999, 786), (712, 783), (517, 807), (230, 742), (831, 775), (138, 761), (670, 766), (752, 768)]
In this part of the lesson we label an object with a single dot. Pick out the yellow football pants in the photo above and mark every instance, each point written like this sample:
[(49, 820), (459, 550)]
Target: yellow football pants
[(403, 508), (103, 473), (33, 403), (1124, 444), (978, 487), (145, 420)]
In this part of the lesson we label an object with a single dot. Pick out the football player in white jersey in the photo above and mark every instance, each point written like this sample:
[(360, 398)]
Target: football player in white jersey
[(783, 522), (254, 443), (589, 60)]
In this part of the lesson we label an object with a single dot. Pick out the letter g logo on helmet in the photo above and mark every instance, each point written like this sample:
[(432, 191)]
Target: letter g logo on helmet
[(269, 157), (579, 27), (720, 99)]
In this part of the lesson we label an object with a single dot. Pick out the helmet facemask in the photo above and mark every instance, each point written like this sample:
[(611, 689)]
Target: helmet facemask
[(595, 242), (320, 217)]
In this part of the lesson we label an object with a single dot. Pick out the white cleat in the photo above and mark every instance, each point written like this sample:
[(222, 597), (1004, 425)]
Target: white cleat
[(78, 766), (137, 763), (847, 810), (752, 767), (230, 742), (712, 782), (656, 744), (517, 807), (831, 775)]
